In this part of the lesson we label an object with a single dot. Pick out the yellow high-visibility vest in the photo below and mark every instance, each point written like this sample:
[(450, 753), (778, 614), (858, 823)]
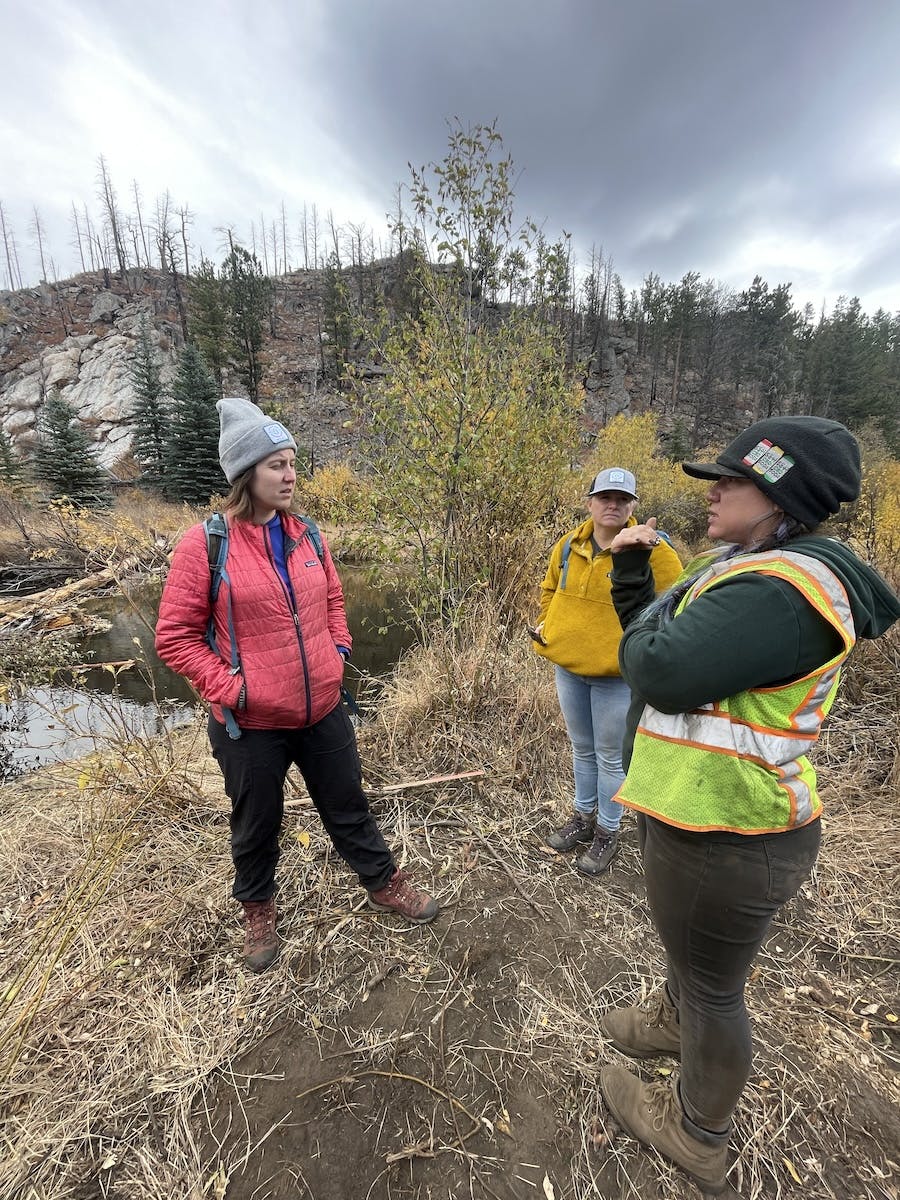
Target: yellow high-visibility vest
[(740, 764)]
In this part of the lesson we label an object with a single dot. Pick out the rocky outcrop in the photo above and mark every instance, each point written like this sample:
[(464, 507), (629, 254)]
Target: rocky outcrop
[(80, 336), (90, 369)]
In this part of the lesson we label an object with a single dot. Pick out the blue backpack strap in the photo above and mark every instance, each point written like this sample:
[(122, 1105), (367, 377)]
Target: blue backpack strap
[(315, 536), (564, 563), (215, 528)]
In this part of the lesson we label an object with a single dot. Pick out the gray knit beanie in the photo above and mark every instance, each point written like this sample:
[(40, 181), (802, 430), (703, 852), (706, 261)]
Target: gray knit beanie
[(247, 436), (809, 466)]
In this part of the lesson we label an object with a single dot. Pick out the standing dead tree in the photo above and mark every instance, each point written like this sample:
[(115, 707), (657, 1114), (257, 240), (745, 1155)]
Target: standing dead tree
[(107, 196)]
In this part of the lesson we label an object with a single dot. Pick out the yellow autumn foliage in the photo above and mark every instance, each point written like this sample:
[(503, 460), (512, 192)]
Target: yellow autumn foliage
[(664, 491), (335, 493), (876, 523)]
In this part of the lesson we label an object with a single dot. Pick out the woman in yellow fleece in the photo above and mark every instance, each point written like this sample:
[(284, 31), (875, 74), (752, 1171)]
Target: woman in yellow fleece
[(579, 633)]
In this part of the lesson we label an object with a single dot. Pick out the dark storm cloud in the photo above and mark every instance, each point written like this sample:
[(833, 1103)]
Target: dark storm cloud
[(715, 136), (652, 129)]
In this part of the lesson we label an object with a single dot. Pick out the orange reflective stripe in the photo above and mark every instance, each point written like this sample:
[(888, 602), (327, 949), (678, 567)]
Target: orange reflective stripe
[(740, 764)]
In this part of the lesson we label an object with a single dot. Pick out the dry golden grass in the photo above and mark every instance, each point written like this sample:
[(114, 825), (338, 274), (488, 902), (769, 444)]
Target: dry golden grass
[(126, 1017)]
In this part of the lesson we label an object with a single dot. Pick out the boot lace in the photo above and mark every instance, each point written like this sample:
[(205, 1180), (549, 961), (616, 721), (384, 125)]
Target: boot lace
[(662, 1104), (600, 843), (401, 888), (402, 895), (655, 1010), (574, 824)]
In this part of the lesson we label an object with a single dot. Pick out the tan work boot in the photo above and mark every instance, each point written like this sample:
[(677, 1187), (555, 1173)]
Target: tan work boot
[(400, 896), (645, 1030), (260, 938), (653, 1114)]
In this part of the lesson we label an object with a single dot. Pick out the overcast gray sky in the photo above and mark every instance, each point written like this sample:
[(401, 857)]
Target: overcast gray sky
[(729, 137)]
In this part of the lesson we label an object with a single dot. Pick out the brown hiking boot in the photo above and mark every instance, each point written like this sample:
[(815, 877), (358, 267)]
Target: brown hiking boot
[(260, 938), (602, 850), (653, 1114), (646, 1029), (579, 828), (399, 896)]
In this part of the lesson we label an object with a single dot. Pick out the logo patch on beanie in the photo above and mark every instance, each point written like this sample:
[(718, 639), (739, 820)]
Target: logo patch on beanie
[(276, 434), (768, 460)]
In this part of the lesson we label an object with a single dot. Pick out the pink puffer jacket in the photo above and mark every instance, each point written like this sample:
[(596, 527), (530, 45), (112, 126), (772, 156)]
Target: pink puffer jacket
[(291, 666)]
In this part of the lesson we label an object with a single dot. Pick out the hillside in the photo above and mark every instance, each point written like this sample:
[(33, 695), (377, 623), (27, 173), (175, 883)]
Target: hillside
[(79, 335)]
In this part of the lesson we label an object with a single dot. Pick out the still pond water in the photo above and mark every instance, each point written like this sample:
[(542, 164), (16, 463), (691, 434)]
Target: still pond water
[(59, 723)]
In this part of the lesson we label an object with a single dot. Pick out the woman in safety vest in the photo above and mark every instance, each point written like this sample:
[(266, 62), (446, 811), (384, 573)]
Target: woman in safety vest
[(733, 672), (263, 638), (579, 633)]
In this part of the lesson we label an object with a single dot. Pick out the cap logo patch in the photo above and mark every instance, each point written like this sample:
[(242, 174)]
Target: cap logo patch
[(768, 460), (616, 476), (276, 433)]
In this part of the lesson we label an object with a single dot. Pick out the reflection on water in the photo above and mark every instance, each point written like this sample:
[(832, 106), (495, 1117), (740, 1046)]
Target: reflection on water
[(60, 723), (54, 724)]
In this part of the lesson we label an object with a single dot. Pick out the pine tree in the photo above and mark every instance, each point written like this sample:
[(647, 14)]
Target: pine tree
[(249, 298), (337, 318), (208, 321), (148, 442), (10, 464), (193, 473), (64, 457)]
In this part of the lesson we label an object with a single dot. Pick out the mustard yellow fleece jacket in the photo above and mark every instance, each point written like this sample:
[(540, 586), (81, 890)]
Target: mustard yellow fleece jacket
[(581, 629)]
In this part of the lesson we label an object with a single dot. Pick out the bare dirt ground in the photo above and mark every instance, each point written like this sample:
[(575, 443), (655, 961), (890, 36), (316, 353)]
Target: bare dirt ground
[(381, 1062)]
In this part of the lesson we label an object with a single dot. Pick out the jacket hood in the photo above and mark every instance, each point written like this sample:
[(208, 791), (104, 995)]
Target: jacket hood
[(874, 605)]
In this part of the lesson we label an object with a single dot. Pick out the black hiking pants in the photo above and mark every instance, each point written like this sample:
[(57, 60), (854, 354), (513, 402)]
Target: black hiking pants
[(255, 767), (712, 897)]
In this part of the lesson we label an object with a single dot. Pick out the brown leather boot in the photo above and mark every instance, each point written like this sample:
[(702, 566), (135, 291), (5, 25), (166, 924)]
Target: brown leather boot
[(399, 896), (645, 1030), (652, 1112), (260, 939)]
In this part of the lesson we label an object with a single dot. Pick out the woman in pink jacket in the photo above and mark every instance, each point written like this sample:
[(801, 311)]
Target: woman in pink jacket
[(268, 654)]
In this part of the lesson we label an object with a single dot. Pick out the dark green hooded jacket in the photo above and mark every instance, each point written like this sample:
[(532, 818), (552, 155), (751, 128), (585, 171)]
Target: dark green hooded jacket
[(752, 631)]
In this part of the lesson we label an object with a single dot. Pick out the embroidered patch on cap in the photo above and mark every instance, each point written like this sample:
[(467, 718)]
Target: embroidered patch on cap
[(276, 433), (768, 460), (616, 476)]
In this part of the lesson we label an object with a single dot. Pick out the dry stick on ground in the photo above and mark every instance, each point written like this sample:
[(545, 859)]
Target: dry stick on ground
[(459, 1137), (345, 1080), (488, 849), (391, 788)]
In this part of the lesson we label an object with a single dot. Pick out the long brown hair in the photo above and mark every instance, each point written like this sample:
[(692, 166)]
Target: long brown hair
[(239, 501)]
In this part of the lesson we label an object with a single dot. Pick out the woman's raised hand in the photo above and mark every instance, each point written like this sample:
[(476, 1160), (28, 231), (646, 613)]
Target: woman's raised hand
[(636, 535)]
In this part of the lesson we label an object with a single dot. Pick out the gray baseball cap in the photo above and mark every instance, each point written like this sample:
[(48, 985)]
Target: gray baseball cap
[(614, 479)]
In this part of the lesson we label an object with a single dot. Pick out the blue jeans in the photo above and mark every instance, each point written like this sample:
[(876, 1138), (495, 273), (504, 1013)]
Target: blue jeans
[(594, 708), (712, 897)]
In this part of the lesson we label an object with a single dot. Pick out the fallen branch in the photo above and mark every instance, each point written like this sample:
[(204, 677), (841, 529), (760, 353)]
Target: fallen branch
[(421, 1149), (402, 787)]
